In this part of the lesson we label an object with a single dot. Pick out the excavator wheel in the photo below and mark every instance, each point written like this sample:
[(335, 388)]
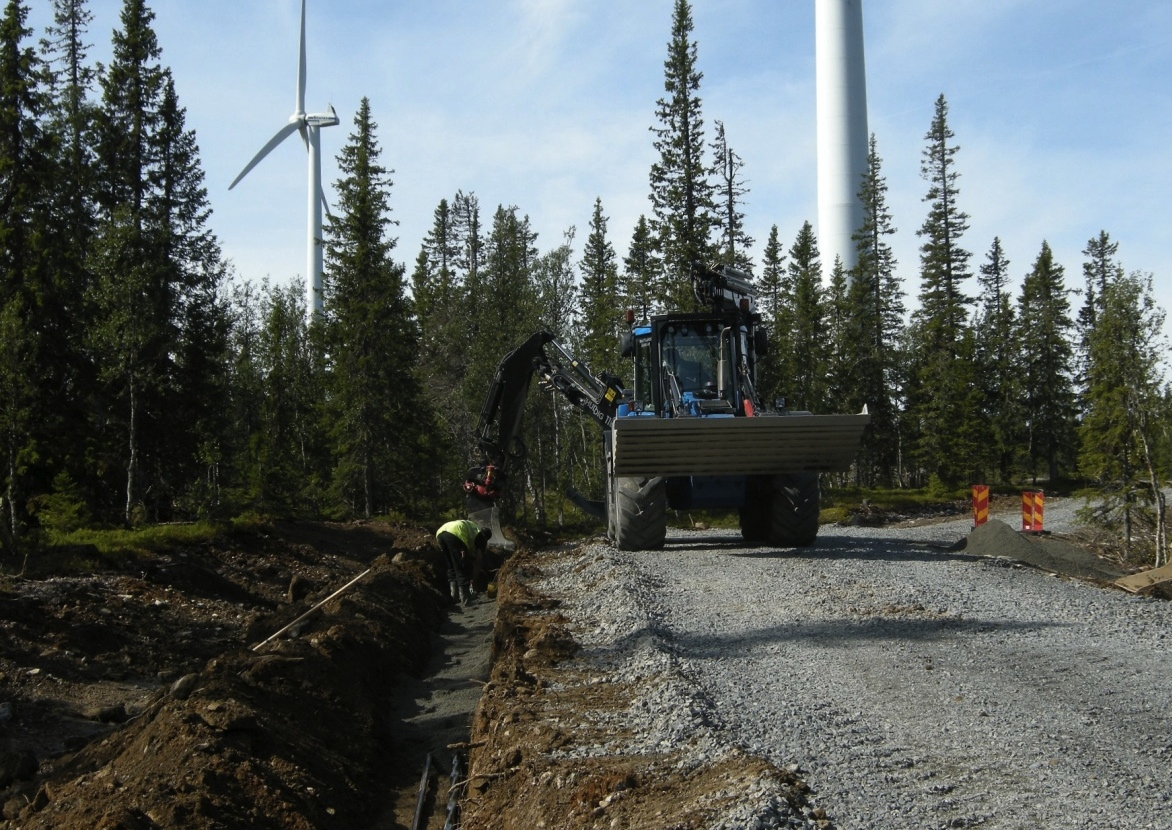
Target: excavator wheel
[(795, 510), (640, 514)]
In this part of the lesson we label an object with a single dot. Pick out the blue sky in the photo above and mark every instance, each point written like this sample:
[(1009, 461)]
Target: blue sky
[(1062, 111)]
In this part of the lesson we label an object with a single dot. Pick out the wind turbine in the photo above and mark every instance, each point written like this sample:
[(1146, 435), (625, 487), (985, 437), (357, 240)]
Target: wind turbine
[(309, 125)]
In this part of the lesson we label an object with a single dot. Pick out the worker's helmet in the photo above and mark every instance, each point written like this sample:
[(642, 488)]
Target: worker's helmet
[(482, 538)]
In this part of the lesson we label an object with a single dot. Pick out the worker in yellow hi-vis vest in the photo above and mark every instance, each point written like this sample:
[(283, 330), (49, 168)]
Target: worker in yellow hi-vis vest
[(463, 543)]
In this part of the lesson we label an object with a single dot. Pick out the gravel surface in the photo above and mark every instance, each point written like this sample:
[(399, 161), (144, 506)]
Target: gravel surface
[(914, 686)]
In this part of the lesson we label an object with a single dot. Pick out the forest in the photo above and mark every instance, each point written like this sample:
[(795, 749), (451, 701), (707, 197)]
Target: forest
[(143, 381)]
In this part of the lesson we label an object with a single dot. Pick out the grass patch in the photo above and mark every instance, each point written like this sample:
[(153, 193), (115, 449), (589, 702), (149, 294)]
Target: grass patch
[(89, 550)]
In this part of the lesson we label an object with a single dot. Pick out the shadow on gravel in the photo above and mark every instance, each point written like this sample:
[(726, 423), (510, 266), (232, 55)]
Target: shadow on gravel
[(871, 549), (846, 631)]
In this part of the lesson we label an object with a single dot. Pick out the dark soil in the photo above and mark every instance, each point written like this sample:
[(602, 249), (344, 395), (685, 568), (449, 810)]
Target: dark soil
[(136, 699)]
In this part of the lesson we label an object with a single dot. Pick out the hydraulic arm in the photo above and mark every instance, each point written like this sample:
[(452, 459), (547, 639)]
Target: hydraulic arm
[(498, 432)]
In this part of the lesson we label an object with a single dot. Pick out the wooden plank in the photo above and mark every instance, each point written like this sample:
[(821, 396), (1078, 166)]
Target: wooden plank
[(1146, 579)]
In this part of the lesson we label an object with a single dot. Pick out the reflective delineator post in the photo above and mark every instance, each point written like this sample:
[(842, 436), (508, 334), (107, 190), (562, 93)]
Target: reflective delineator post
[(1032, 502), (980, 504)]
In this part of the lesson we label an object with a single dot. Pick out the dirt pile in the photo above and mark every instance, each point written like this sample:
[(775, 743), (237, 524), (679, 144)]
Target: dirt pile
[(136, 700), (995, 538)]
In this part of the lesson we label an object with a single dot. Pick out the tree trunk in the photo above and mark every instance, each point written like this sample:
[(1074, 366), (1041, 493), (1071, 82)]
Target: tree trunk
[(1158, 493), (132, 463)]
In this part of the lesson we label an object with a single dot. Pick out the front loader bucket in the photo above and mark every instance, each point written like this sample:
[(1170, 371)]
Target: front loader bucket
[(764, 445)]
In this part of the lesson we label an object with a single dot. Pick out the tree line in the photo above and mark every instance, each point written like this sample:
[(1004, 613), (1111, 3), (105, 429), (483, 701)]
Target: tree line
[(140, 380)]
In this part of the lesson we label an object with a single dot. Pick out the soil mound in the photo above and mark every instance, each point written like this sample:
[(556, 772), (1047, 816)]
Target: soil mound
[(995, 538)]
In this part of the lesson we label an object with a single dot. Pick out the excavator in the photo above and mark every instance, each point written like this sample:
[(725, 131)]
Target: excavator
[(690, 431)]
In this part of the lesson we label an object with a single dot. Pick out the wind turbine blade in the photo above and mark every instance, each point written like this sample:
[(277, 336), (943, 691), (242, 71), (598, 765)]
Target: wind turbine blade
[(301, 66), (281, 135), (304, 134)]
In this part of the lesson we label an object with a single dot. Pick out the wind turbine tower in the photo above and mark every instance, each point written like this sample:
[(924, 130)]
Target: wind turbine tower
[(842, 126), (309, 125)]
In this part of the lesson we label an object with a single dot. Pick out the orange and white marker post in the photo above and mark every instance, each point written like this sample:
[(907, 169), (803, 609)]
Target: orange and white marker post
[(1032, 503), (980, 504)]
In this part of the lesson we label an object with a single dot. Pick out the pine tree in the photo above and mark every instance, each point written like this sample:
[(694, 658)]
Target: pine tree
[(1046, 366), (681, 194), (380, 423), (641, 272), (1117, 438), (601, 309), (730, 191)]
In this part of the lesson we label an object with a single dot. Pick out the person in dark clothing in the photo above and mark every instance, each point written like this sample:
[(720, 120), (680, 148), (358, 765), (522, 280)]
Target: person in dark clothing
[(463, 543)]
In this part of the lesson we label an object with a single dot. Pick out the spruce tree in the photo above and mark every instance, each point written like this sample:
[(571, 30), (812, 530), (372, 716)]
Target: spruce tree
[(872, 326), (1100, 269), (943, 263), (681, 194), (547, 426), (771, 307), (734, 244), (794, 342), (1118, 435), (940, 400), (69, 122), (25, 284), (504, 303), (1046, 365), (641, 270), (996, 364), (380, 424), (601, 308)]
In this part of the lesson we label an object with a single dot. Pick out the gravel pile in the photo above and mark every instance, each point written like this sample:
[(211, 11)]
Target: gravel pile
[(914, 686)]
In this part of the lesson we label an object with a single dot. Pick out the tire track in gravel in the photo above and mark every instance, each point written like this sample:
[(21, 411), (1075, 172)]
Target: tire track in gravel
[(919, 688)]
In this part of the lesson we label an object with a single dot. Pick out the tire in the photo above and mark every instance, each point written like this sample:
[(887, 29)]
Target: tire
[(795, 510), (640, 513), (755, 515)]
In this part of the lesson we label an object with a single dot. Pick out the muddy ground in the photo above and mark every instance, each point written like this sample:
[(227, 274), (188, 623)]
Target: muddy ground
[(139, 696)]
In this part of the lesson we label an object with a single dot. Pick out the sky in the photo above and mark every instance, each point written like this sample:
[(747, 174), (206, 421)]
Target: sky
[(1062, 113)]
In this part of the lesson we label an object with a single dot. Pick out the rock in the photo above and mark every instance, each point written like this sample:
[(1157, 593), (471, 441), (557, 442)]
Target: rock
[(5, 712), (182, 688), (298, 588), (107, 714)]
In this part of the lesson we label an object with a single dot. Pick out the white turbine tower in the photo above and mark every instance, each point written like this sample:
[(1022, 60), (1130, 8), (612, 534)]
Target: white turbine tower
[(309, 125), (842, 125)]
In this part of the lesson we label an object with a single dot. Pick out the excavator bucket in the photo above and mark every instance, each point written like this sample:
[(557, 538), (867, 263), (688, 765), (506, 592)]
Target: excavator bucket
[(764, 445), (486, 514)]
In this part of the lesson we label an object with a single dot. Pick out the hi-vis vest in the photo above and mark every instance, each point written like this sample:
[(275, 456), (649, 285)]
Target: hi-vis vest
[(463, 530)]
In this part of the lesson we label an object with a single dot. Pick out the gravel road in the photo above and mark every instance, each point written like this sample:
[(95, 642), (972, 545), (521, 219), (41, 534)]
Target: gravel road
[(914, 687)]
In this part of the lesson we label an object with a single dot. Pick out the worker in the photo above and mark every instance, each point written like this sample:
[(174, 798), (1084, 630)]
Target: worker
[(463, 543)]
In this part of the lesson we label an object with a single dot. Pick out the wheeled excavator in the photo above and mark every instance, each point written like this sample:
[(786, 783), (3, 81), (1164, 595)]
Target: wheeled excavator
[(689, 432)]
